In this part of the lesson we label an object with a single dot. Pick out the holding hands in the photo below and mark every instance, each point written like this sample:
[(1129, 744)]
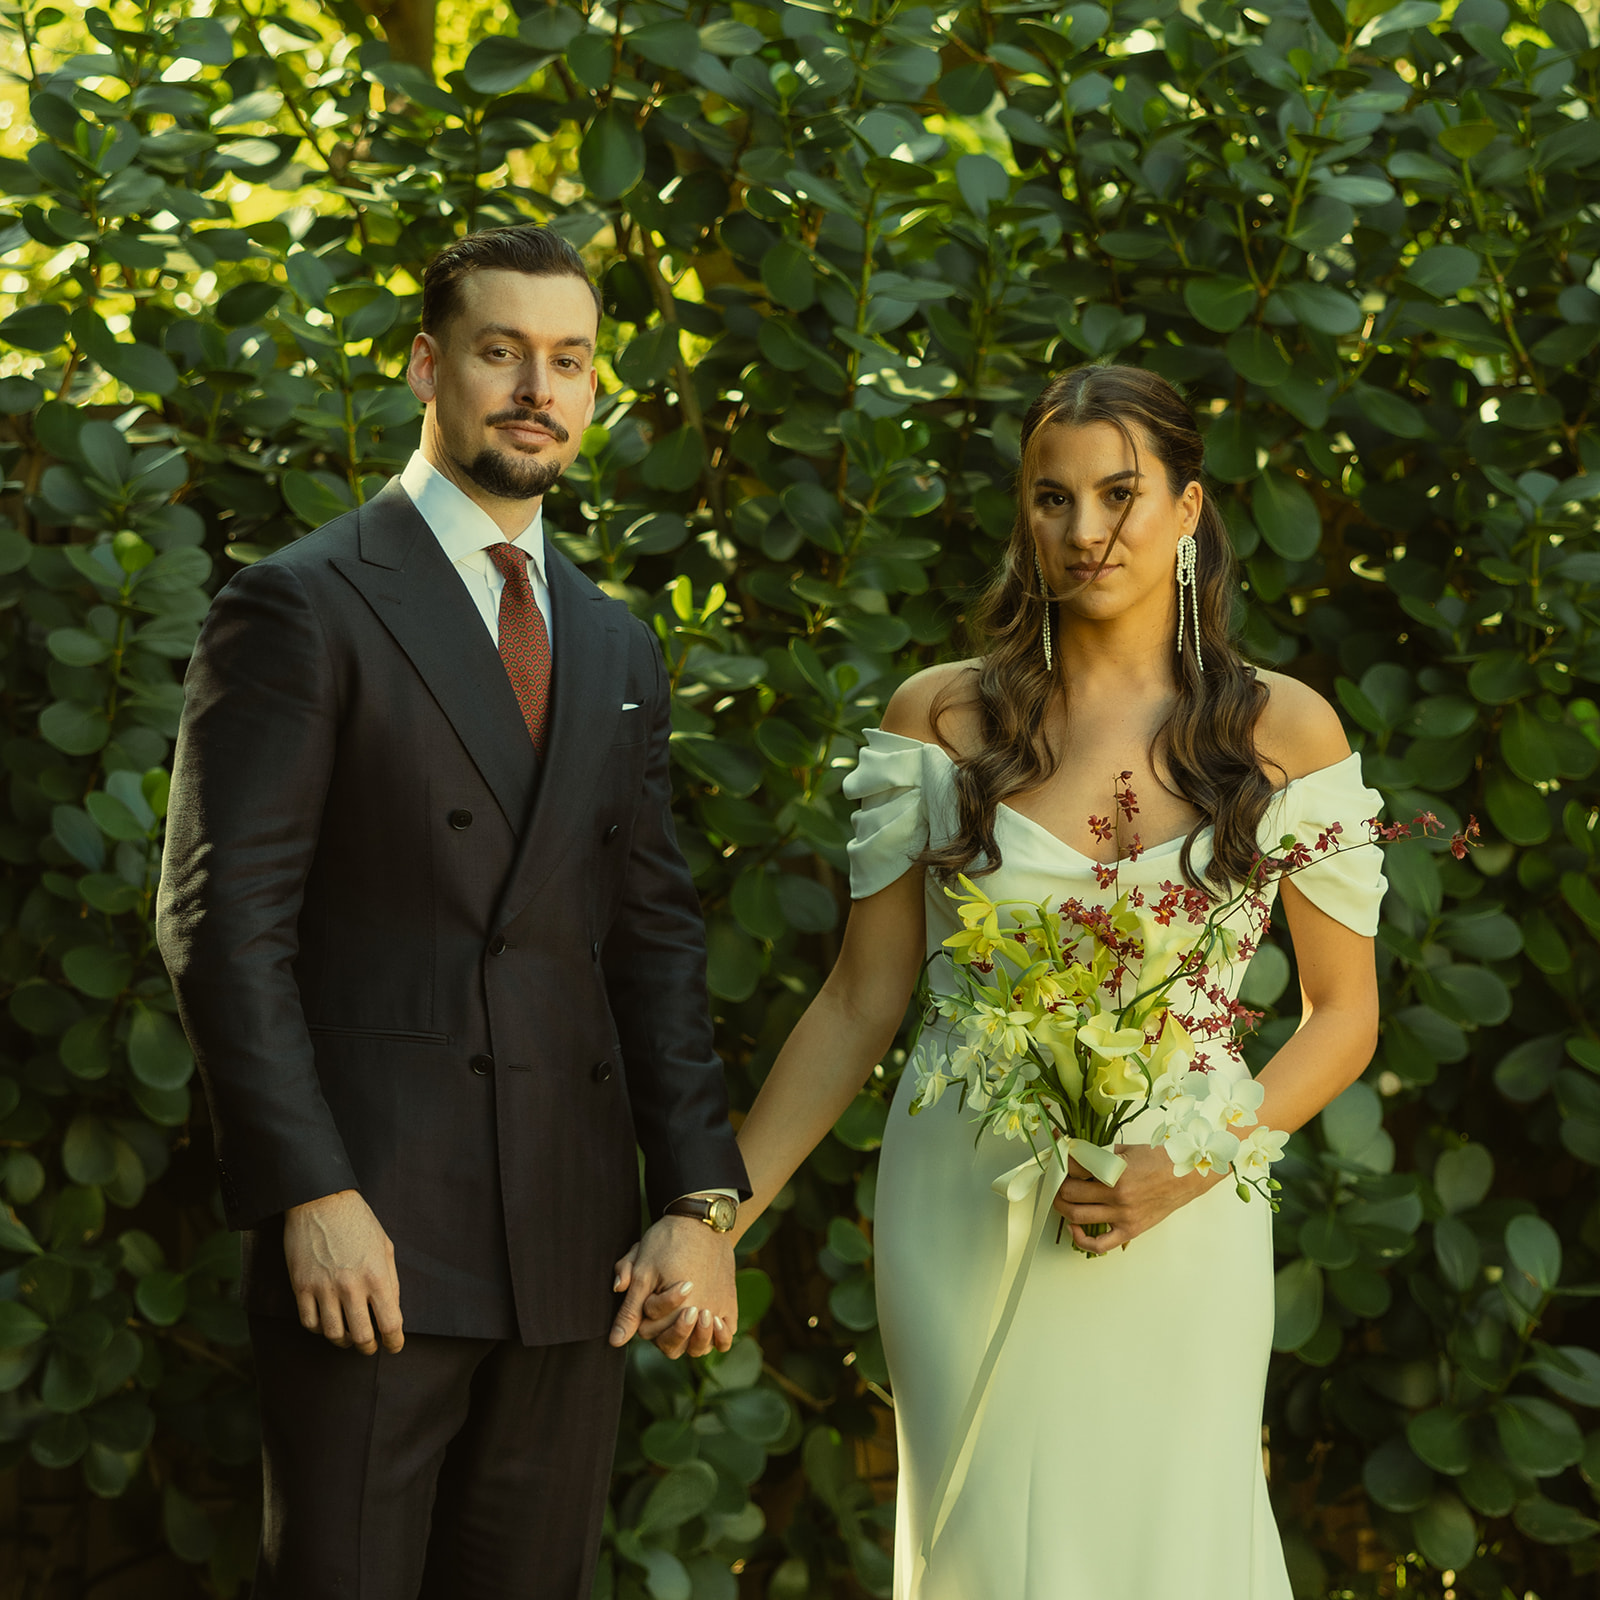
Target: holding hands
[(679, 1289)]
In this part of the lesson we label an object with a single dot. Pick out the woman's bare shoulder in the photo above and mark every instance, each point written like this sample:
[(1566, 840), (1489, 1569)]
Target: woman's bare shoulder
[(1299, 732), (942, 695)]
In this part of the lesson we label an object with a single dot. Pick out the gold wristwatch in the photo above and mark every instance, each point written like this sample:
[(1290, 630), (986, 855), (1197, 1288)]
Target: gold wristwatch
[(718, 1211)]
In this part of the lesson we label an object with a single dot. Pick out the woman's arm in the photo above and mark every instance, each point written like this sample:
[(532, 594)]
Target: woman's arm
[(1329, 1051), (844, 1033)]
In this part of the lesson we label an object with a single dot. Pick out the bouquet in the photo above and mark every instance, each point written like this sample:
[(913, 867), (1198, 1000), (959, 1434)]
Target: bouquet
[(1046, 1046)]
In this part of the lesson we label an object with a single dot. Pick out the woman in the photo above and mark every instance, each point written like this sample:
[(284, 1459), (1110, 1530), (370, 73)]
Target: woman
[(1116, 1454)]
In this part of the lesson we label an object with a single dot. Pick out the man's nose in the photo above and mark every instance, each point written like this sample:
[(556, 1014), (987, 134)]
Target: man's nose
[(533, 387)]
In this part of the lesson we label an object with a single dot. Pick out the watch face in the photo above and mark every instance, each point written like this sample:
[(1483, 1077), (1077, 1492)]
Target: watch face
[(724, 1213)]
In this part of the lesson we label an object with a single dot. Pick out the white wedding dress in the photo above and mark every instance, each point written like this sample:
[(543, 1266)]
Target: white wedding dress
[(1116, 1454)]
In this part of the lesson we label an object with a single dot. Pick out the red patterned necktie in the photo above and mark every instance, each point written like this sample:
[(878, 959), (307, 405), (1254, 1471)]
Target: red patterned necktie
[(524, 640)]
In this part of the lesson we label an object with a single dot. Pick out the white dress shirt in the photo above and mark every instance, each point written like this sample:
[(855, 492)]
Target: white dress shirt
[(465, 530)]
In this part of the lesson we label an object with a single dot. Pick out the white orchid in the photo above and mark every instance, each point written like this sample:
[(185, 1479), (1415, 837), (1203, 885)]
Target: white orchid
[(1234, 1105), (1257, 1152), (1198, 1146)]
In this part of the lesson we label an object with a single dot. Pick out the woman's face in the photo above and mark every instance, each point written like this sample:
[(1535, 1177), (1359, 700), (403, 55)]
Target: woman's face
[(1085, 478)]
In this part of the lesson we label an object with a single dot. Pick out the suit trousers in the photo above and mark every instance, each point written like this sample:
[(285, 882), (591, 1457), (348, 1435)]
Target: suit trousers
[(457, 1469)]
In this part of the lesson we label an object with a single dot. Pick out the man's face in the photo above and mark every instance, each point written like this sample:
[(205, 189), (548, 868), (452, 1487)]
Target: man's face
[(509, 382)]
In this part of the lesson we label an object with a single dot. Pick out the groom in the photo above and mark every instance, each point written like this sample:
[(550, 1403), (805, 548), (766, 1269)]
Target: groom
[(443, 970)]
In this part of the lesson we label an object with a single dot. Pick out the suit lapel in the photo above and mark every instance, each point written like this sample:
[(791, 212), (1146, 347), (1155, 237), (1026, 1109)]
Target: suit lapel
[(590, 680), (406, 578)]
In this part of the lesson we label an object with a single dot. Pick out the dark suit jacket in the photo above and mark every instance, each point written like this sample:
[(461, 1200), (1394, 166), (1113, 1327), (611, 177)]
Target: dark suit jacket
[(413, 964)]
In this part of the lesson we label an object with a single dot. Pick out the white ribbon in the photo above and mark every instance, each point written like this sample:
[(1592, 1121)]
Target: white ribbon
[(1030, 1190)]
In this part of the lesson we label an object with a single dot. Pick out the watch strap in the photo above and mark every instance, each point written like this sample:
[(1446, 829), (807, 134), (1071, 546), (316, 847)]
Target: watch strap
[(697, 1206)]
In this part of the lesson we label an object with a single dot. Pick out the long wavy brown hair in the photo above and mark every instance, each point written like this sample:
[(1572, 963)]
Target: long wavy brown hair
[(1208, 740)]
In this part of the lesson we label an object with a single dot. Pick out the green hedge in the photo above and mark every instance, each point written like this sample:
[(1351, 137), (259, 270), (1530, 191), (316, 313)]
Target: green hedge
[(841, 244)]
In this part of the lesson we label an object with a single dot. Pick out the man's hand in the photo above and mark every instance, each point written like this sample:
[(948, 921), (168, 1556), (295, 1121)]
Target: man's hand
[(341, 1262), (677, 1259)]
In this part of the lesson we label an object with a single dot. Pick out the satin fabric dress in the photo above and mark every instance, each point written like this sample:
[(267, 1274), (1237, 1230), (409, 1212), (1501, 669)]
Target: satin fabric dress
[(1117, 1454)]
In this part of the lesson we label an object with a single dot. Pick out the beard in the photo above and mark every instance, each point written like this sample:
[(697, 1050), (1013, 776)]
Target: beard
[(512, 476)]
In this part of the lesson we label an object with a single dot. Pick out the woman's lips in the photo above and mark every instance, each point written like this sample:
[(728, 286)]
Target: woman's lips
[(1091, 573)]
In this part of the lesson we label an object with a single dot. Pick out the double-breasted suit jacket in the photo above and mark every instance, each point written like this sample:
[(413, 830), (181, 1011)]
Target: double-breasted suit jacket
[(415, 960)]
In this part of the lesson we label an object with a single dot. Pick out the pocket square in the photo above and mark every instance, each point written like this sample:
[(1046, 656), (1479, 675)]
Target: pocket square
[(630, 705)]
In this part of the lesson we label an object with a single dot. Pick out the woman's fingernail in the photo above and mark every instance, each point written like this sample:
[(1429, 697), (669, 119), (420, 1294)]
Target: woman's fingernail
[(688, 1316), (684, 1288), (705, 1319)]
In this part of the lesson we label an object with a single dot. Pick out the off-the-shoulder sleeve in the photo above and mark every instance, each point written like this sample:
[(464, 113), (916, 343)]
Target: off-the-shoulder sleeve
[(891, 824), (1347, 884)]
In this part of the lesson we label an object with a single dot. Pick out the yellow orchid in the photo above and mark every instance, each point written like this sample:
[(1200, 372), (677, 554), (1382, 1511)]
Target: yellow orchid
[(979, 937)]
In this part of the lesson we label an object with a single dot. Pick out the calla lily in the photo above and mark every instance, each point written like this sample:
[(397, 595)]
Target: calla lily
[(1174, 1049), (1102, 1035), (1058, 1034)]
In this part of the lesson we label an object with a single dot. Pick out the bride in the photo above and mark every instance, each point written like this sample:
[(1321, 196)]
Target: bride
[(1114, 1451)]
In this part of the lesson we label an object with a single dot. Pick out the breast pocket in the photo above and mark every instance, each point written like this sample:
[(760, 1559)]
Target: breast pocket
[(633, 723)]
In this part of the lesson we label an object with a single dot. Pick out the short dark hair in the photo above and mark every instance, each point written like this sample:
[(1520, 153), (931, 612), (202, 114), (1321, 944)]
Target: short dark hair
[(525, 247)]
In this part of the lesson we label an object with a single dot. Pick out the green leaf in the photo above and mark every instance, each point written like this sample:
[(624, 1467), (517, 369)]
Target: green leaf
[(1286, 515), (787, 272), (733, 960), (162, 1297), (675, 461), (1444, 269), (1254, 353), (1550, 1522), (78, 834), (983, 182), (40, 327), (683, 1494), (1516, 809), (1441, 1438), (611, 156), (1445, 1531), (1455, 1247), (157, 1050), (1461, 1177), (97, 971), (1535, 1250), (1297, 1302), (1537, 1435), (189, 1531), (861, 1125), (18, 1325), (74, 729), (854, 1303), (1395, 1477)]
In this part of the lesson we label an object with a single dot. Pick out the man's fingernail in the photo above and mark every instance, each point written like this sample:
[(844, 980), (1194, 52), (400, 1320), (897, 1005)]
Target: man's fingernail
[(616, 1285)]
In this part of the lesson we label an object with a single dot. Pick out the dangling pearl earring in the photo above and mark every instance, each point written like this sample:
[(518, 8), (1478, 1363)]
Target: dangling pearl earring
[(1038, 567), (1188, 594)]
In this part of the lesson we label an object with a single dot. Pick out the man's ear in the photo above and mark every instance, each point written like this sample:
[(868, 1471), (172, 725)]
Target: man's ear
[(594, 391), (422, 369)]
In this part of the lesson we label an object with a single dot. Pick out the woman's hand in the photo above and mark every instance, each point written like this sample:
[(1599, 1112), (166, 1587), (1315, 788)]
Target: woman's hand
[(1146, 1193)]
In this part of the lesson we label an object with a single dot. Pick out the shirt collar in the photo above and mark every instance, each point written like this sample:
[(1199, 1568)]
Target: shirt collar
[(459, 523)]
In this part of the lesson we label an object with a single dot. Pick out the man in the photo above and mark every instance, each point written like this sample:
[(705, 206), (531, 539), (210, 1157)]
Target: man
[(442, 967)]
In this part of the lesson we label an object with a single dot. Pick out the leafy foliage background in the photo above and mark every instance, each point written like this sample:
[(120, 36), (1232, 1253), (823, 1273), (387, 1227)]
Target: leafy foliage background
[(841, 245)]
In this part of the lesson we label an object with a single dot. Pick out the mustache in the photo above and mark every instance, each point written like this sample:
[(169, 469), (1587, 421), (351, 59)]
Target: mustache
[(541, 419)]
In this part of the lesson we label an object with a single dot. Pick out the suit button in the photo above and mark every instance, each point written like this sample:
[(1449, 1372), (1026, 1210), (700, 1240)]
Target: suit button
[(594, 951), (497, 946), (601, 1072), (482, 1065), (611, 833), (460, 819)]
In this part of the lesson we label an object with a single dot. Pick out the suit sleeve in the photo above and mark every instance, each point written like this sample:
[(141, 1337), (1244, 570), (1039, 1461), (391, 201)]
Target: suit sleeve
[(655, 971), (250, 775)]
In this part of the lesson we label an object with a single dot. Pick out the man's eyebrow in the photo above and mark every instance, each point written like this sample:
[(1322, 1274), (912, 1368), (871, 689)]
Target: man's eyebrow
[(502, 330)]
